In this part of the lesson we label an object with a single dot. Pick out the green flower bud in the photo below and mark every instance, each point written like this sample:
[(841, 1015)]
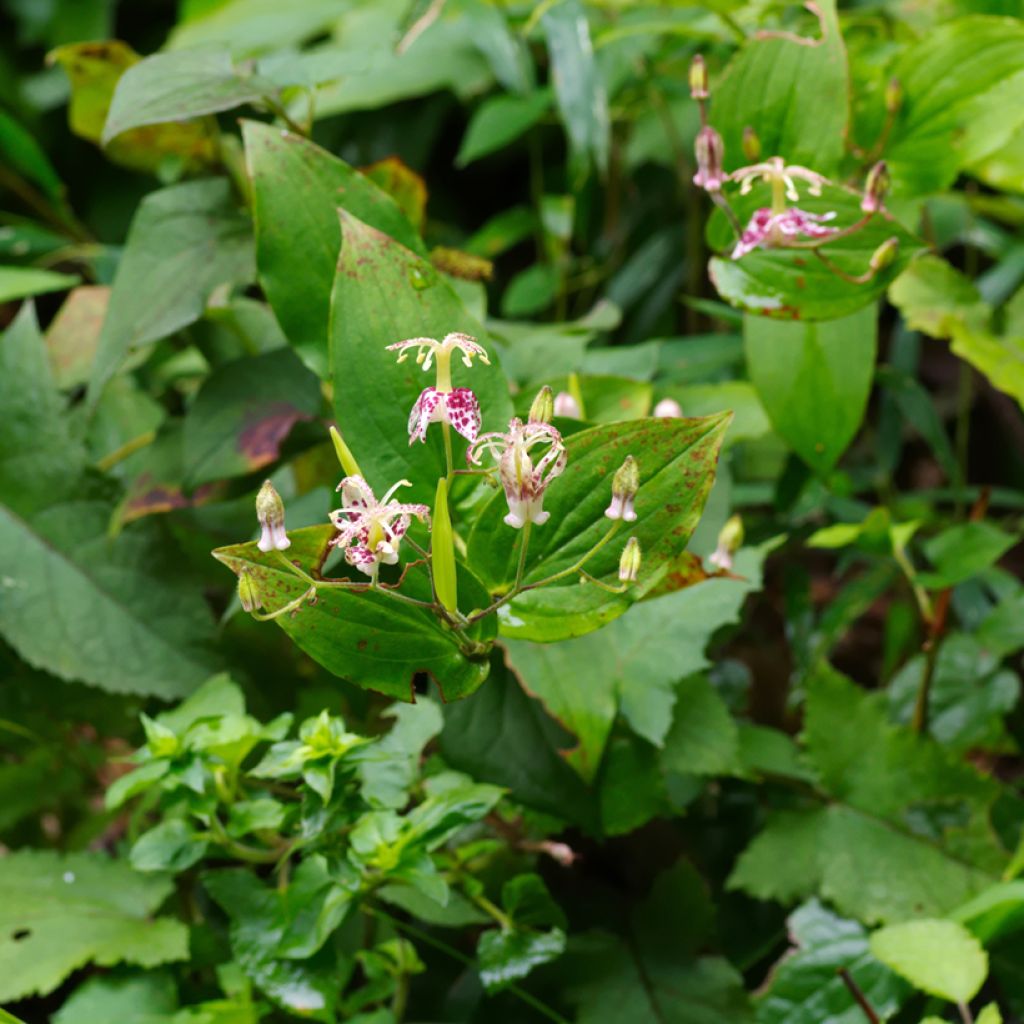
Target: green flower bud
[(884, 255), (629, 562), (875, 188), (270, 513), (751, 145), (248, 592), (730, 539), (442, 550), (543, 407), (698, 78), (893, 96), (625, 484), (344, 453)]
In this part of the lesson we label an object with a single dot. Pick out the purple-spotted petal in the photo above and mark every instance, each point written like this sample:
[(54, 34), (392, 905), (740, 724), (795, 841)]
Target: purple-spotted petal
[(462, 411), (423, 413)]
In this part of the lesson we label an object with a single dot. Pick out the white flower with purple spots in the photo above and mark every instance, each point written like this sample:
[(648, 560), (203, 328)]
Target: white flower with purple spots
[(523, 481), (369, 530), (767, 230), (443, 403)]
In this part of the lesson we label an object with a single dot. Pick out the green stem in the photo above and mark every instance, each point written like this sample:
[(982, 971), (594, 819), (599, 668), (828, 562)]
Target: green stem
[(285, 609), (446, 433), (524, 546)]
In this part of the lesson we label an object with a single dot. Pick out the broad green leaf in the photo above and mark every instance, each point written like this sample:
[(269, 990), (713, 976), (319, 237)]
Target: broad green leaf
[(677, 460), (178, 86), (368, 638), (1000, 358), (994, 913), (635, 663), (814, 380), (74, 333), (959, 82), (766, 88), (250, 26), (941, 958), (136, 999), (170, 846), (243, 414), (970, 695), (185, 241), (297, 190), (531, 291), (579, 88), (933, 296), (805, 987), (504, 737), (94, 70), (631, 786), (793, 284), (59, 913), (23, 282), (499, 121), (964, 550), (702, 738), (384, 293), (749, 420), (506, 955)]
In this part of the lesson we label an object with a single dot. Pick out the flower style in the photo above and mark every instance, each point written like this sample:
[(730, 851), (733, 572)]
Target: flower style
[(776, 171), (443, 403), (770, 230), (524, 483), (369, 530)]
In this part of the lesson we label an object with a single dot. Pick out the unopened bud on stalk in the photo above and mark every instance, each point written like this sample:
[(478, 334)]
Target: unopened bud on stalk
[(629, 563), (248, 592), (893, 96), (709, 150), (270, 513), (543, 407), (884, 255), (729, 540), (698, 78), (625, 484), (344, 453), (669, 408), (875, 188), (567, 406), (442, 550), (751, 145)]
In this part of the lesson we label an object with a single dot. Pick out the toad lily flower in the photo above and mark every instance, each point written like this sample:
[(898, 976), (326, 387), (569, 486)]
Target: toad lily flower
[(443, 403), (369, 530), (768, 230), (781, 176), (524, 483)]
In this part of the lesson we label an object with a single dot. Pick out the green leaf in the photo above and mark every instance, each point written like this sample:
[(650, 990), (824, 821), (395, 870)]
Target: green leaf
[(74, 333), (185, 241), (531, 291), (793, 284), (999, 358), (765, 87), (297, 190), (170, 846), (385, 293), (136, 999), (579, 88), (506, 955), (23, 282), (958, 85), (703, 738), (372, 640), (814, 380), (631, 786), (677, 460), (970, 695), (24, 156), (499, 121), (503, 737), (933, 296), (635, 663), (243, 414), (59, 913), (963, 551), (805, 987), (179, 86), (941, 958)]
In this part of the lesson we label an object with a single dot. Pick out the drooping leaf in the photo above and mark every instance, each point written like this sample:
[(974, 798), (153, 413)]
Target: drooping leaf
[(23, 155), (767, 87), (374, 641), (814, 380), (385, 293), (24, 282), (500, 121), (941, 958), (297, 190), (677, 459), (58, 913), (184, 242), (179, 86), (244, 412)]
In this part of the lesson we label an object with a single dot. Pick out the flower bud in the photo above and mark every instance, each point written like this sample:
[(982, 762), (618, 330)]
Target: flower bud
[(543, 407), (884, 255), (698, 78), (461, 264), (442, 550), (567, 406), (270, 513), (668, 408), (875, 188), (344, 453), (729, 540), (625, 484), (893, 96), (248, 592), (751, 145), (629, 562), (709, 151)]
